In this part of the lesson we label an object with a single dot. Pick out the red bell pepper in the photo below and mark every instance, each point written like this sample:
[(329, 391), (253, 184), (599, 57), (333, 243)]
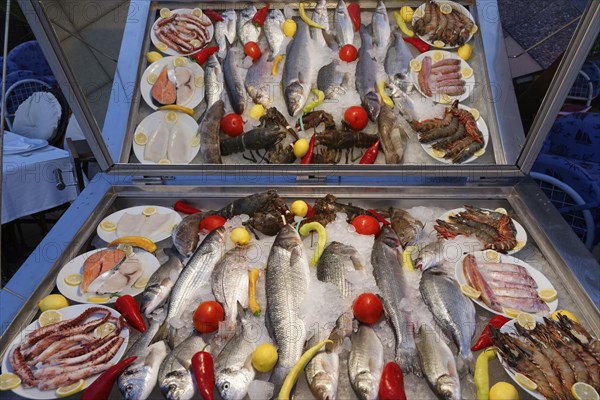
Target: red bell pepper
[(354, 11), (378, 216), (391, 386), (310, 211), (203, 54), (260, 16), (204, 372), (485, 340), (307, 158), (418, 43), (100, 389), (130, 309), (213, 15), (371, 154), (185, 208)]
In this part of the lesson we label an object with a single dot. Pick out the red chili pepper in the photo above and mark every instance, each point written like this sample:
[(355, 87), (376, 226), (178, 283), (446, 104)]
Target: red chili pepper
[(307, 158), (391, 386), (204, 372), (371, 154), (185, 208), (378, 216), (130, 309), (354, 11), (485, 340), (418, 43), (100, 389), (310, 211), (260, 16), (213, 15), (203, 54)]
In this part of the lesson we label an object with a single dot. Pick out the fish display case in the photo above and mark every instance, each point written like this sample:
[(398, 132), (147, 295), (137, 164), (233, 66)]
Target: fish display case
[(429, 191)]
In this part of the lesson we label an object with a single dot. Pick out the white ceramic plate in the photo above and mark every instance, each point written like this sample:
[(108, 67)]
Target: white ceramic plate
[(173, 52), (186, 123), (156, 68), (458, 7), (469, 82), (521, 235), (114, 218), (75, 266), (538, 277), (67, 313)]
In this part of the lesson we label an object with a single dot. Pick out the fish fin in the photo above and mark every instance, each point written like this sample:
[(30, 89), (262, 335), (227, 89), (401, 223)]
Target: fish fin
[(301, 77), (162, 332), (465, 364)]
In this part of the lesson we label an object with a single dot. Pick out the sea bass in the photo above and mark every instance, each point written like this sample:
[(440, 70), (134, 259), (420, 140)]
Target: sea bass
[(260, 83), (233, 80), (397, 62), (229, 283), (344, 28), (332, 81), (321, 17), (210, 152), (233, 367), (431, 255), (323, 371), (392, 131), (406, 227), (174, 377), (381, 26), (273, 32), (392, 281), (214, 82), (365, 363), (225, 32), (159, 285), (366, 75), (246, 30)]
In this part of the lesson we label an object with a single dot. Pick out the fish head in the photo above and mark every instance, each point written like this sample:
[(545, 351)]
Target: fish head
[(366, 386), (381, 10), (177, 385), (389, 237), (295, 95), (448, 387), (133, 382), (372, 103), (233, 384), (151, 298), (324, 386)]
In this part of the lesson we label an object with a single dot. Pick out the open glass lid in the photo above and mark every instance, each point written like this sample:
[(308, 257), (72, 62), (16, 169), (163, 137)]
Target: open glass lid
[(325, 88)]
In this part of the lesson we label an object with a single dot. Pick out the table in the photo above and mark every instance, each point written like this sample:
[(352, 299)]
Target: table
[(29, 183)]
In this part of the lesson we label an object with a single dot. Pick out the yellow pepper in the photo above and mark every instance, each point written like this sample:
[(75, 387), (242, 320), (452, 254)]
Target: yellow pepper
[(315, 226), (407, 261), (252, 303), (320, 99), (402, 25), (386, 99), (276, 62), (176, 107), (305, 18), (482, 375), (137, 241)]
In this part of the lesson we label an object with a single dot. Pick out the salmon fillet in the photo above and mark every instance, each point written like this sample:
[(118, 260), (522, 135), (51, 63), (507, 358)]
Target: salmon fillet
[(99, 263), (163, 90)]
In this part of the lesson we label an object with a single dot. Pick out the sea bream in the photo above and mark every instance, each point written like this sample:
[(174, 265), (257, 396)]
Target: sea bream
[(225, 32), (332, 81), (365, 363), (174, 376), (397, 62), (380, 24), (344, 28), (367, 74), (214, 81), (393, 133), (229, 283), (234, 84), (260, 83), (274, 32), (247, 31), (406, 227), (161, 282), (233, 366)]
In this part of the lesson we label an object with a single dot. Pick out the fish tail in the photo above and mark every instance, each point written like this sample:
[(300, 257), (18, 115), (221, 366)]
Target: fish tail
[(165, 331), (465, 364), (408, 361)]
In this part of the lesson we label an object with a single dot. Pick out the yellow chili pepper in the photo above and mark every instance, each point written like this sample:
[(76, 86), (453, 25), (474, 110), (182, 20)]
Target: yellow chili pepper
[(482, 375), (407, 261), (176, 107), (315, 226), (305, 18), (320, 99), (386, 99), (137, 241), (252, 303), (402, 25), (276, 62)]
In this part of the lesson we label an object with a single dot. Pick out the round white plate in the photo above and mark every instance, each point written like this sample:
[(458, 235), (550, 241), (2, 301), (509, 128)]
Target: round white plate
[(521, 235), (114, 218), (469, 82), (67, 313), (156, 68), (75, 266), (458, 7), (150, 123), (538, 277), (171, 51)]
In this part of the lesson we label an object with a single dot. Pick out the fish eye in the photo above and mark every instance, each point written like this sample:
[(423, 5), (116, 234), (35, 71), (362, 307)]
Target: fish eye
[(226, 386), (129, 387)]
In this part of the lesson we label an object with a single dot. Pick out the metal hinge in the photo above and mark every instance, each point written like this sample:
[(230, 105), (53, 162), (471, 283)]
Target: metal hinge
[(152, 180), (312, 179)]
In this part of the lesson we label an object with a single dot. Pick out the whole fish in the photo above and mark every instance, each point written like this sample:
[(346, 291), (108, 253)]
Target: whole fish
[(233, 80), (260, 84), (344, 28), (406, 227), (332, 81), (225, 32), (233, 367), (229, 283), (438, 364), (210, 151), (365, 363), (174, 377), (381, 26), (452, 311), (392, 132), (214, 81), (323, 371), (392, 281), (273, 32), (321, 17), (246, 30), (195, 274), (431, 255), (366, 75), (397, 62), (159, 285), (287, 281)]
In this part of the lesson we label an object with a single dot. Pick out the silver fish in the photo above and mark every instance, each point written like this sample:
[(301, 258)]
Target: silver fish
[(332, 81), (406, 227), (431, 255), (322, 372), (438, 364), (210, 151), (225, 32), (344, 28), (391, 280), (393, 136), (273, 32), (365, 363), (246, 30), (159, 285), (381, 26), (233, 367), (397, 62), (321, 17), (185, 234), (366, 76), (452, 311), (287, 281), (233, 80), (214, 81), (259, 83), (174, 377), (229, 283)]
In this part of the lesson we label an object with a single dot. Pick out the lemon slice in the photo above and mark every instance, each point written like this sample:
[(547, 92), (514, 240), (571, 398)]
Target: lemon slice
[(445, 99), (475, 113), (179, 61), (467, 72), (566, 313), (469, 291), (195, 43), (511, 312), (501, 210), (445, 8), (98, 299), (104, 330), (70, 390), (474, 29), (127, 248), (148, 211), (49, 317), (195, 141), (547, 295), (526, 320), (491, 256), (479, 152), (197, 12), (108, 226), (415, 65), (164, 161), (165, 13), (525, 381), (583, 391), (199, 81), (171, 116), (140, 138), (437, 56), (151, 78), (419, 12), (438, 43), (161, 46), (141, 282), (9, 381), (73, 279), (520, 245), (438, 153)]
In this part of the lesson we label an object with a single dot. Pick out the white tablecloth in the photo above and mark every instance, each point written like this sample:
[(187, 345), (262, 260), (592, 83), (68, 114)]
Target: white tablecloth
[(29, 185)]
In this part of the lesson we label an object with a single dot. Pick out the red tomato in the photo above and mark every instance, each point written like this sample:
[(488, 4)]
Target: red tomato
[(356, 117), (212, 222), (207, 316), (348, 53), (232, 124), (252, 50), (367, 308), (366, 225)]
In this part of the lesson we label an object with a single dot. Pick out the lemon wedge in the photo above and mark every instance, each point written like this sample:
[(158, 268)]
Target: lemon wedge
[(566, 313), (161, 46), (195, 43), (438, 43), (501, 210), (195, 141), (165, 13), (474, 29), (104, 330), (547, 295), (526, 320), (437, 56), (475, 113), (491, 256), (98, 299), (197, 12), (49, 317), (415, 65), (73, 279), (148, 211), (9, 381), (108, 226), (525, 381), (520, 245), (438, 153), (140, 138), (171, 116), (164, 161), (467, 72), (151, 78), (445, 8), (179, 61), (70, 390), (469, 291), (141, 282), (583, 391), (511, 312), (479, 152), (445, 99), (199, 81), (127, 248)]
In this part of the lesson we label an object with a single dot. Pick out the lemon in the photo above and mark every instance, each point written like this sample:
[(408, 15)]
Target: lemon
[(151, 78), (438, 43), (479, 152), (470, 291), (148, 211), (445, 8), (566, 313), (547, 295), (520, 245), (153, 56), (165, 13), (70, 390), (53, 302), (301, 147), (491, 256), (49, 317), (475, 113), (199, 81), (437, 56), (257, 111), (415, 65), (197, 12), (438, 153), (289, 27), (466, 72), (9, 381), (195, 43), (465, 51), (299, 208), (420, 12), (127, 248), (195, 141), (140, 138), (161, 46), (264, 357), (445, 99), (501, 210), (503, 391), (104, 330), (164, 161), (511, 312), (179, 61), (240, 236), (474, 29), (526, 320), (108, 226), (407, 13), (525, 381), (171, 116), (98, 299), (73, 279), (141, 282), (583, 391)]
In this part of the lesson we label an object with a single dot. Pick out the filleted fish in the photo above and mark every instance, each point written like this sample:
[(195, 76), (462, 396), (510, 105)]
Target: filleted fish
[(366, 75), (274, 32), (229, 283), (246, 30), (365, 363), (159, 285), (174, 376), (233, 366), (234, 84)]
